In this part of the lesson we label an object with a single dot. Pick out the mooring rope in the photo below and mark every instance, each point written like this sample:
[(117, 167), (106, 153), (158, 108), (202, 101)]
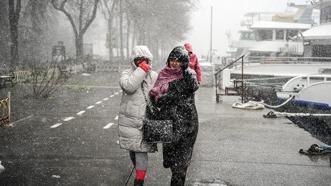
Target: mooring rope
[(278, 106), (255, 105), (272, 114)]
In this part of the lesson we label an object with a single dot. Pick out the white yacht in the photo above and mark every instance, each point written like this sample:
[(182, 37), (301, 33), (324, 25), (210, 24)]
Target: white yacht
[(271, 34)]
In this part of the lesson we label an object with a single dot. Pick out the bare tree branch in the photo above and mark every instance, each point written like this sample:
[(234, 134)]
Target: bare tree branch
[(18, 10), (88, 23), (62, 9), (80, 17), (109, 10)]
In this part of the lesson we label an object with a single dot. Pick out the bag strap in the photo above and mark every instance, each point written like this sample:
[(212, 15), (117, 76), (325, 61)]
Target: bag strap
[(145, 97)]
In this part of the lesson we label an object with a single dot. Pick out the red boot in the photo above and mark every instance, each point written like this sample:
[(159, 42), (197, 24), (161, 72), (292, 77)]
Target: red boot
[(140, 177)]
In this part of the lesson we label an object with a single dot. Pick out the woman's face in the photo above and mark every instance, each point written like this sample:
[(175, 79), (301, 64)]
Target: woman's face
[(174, 64), (139, 60)]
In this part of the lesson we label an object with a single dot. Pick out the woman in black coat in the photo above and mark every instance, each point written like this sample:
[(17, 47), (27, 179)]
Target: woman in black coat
[(173, 99)]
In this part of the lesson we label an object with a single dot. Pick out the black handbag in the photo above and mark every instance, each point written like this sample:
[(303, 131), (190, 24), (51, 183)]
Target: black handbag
[(156, 131)]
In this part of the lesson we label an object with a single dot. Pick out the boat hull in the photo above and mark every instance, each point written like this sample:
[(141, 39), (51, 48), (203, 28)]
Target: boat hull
[(319, 127)]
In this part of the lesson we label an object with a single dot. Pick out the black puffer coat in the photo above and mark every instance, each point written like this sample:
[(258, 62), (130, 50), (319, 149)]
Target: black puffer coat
[(178, 105)]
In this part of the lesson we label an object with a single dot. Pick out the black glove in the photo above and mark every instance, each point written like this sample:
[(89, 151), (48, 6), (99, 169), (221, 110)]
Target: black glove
[(186, 74), (185, 61)]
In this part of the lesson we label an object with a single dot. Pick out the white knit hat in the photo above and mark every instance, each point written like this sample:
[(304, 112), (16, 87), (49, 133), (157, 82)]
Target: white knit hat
[(141, 51)]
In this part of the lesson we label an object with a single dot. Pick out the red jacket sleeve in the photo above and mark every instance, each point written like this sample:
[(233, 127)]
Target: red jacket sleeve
[(198, 70)]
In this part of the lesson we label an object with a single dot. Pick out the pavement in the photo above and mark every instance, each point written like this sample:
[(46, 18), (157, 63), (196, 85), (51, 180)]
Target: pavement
[(72, 139)]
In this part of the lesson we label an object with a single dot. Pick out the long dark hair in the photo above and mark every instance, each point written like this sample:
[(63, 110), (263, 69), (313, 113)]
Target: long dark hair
[(180, 54)]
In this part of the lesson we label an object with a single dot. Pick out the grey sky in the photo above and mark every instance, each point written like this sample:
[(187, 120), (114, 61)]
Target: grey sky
[(227, 16)]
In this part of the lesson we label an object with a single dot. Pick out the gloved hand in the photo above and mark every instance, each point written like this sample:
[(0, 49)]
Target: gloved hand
[(185, 61), (143, 65), (186, 74)]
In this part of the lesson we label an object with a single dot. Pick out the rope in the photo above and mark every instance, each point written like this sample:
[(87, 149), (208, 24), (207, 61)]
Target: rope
[(254, 105), (250, 105), (278, 106), (272, 114), (264, 79)]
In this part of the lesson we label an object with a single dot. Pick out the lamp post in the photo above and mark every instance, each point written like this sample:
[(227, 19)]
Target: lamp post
[(211, 35)]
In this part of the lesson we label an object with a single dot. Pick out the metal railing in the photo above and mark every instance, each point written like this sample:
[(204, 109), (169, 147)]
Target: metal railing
[(287, 60), (265, 60), (219, 73)]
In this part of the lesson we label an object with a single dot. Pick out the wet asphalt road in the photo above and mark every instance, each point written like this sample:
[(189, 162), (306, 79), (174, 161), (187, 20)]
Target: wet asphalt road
[(59, 144), (72, 142)]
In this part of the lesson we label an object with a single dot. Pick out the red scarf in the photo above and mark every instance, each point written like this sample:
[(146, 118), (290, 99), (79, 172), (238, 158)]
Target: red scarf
[(161, 85)]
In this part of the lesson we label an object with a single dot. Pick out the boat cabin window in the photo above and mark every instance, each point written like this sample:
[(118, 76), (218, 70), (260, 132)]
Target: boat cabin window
[(264, 35), (247, 36), (291, 33), (328, 79), (321, 51), (326, 15), (279, 34), (316, 78)]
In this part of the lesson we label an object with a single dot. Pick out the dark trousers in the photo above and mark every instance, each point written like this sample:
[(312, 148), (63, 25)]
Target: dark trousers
[(178, 176)]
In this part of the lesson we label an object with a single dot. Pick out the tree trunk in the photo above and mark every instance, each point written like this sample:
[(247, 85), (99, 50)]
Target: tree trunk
[(4, 32), (79, 40), (121, 32), (37, 40), (14, 45), (110, 38), (128, 39), (141, 37), (134, 33), (157, 49), (13, 25)]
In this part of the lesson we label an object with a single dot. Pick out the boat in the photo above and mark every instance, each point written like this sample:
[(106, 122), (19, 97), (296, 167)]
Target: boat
[(310, 104), (294, 69), (280, 46), (273, 34)]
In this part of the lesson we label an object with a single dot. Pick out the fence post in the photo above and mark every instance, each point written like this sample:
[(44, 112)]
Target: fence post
[(9, 107), (242, 79)]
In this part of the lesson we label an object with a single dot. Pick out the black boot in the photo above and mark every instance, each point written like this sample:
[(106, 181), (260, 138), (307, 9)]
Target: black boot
[(178, 176), (138, 182)]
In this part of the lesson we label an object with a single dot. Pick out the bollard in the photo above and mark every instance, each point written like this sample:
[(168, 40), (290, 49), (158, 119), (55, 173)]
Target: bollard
[(2, 168)]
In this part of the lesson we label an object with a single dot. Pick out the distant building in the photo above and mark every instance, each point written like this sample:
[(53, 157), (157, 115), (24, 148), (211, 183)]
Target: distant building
[(317, 41)]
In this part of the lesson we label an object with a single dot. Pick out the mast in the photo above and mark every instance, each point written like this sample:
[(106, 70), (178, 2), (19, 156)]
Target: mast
[(211, 35)]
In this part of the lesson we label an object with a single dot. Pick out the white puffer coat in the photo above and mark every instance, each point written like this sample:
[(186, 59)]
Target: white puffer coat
[(133, 104)]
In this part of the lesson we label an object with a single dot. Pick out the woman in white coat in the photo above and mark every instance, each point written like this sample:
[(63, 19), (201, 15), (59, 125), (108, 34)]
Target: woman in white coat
[(133, 107)]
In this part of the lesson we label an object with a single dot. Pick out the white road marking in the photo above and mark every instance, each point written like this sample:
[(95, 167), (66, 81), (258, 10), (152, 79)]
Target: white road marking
[(56, 176), (105, 99), (108, 126), (116, 117), (28, 117), (116, 93), (117, 142), (89, 107), (80, 112), (56, 125), (68, 118), (97, 103), (121, 90), (111, 96)]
